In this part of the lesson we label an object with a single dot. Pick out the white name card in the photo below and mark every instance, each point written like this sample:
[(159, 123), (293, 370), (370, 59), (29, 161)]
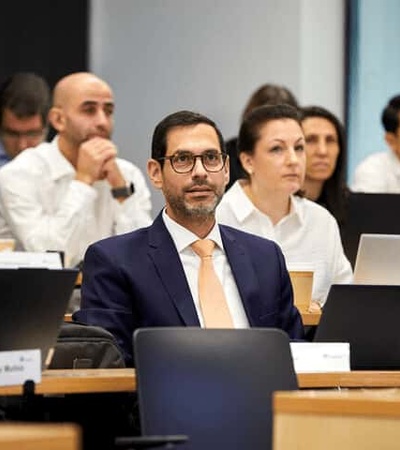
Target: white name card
[(20, 365), (321, 356), (15, 260)]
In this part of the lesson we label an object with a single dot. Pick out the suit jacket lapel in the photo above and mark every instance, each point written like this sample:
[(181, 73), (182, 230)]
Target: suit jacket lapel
[(168, 265), (244, 274)]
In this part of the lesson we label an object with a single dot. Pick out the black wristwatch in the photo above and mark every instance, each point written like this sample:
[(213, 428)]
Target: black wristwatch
[(123, 192)]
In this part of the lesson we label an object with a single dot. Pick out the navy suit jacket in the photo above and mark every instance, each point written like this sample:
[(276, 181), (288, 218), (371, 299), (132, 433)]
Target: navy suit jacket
[(137, 280)]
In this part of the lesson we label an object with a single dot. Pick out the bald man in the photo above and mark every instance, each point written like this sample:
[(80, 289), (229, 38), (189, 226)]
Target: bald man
[(68, 193)]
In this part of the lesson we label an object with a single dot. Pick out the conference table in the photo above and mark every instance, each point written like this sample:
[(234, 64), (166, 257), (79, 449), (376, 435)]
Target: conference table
[(309, 318), (92, 381), (67, 383), (80, 381), (30, 436), (100, 401), (345, 420)]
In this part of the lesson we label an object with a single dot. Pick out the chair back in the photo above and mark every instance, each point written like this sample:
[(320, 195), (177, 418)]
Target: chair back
[(213, 385)]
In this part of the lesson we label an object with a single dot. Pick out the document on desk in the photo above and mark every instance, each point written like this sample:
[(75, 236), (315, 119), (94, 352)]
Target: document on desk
[(321, 356), (15, 260)]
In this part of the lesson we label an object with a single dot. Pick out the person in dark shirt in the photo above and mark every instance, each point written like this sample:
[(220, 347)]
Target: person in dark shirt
[(326, 160)]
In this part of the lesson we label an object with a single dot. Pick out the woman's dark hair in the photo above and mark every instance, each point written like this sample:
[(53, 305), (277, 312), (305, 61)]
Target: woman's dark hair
[(334, 190), (390, 115), (269, 94), (249, 132)]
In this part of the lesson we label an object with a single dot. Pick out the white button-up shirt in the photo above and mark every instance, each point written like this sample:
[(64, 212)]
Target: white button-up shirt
[(378, 173), (308, 236), (45, 208)]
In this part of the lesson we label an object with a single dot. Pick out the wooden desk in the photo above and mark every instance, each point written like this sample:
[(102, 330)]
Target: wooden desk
[(24, 436), (309, 319), (80, 381), (354, 379), (334, 420)]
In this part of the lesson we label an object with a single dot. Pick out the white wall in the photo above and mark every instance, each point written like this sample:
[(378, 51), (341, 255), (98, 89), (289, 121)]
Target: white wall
[(210, 55)]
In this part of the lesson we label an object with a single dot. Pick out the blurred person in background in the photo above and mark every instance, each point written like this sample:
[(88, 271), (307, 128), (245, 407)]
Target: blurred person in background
[(24, 106), (380, 172), (65, 194), (326, 158)]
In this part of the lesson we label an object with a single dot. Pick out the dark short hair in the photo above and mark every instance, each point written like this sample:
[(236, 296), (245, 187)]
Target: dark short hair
[(249, 132), (390, 115), (269, 94), (175, 120), (334, 188), (25, 94)]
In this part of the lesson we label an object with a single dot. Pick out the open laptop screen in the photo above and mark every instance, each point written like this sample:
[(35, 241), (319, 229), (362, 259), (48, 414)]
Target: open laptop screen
[(32, 307), (378, 259), (369, 213), (366, 316)]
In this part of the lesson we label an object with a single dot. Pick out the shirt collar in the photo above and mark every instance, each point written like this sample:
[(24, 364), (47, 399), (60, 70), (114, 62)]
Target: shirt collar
[(183, 238), (58, 163), (244, 207), (394, 159)]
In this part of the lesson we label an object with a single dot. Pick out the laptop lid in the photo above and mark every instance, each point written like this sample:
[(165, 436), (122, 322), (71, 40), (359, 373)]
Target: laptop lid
[(366, 316), (368, 213), (32, 306), (378, 259)]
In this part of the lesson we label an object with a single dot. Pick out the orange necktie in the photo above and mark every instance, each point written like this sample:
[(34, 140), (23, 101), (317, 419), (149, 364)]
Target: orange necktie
[(211, 295)]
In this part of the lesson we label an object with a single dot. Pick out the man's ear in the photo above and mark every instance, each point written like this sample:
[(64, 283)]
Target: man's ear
[(226, 170), (56, 118), (154, 172), (390, 139)]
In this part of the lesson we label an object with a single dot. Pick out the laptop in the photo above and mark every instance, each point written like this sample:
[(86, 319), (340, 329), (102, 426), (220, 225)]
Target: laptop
[(378, 259), (366, 316), (369, 213), (32, 306)]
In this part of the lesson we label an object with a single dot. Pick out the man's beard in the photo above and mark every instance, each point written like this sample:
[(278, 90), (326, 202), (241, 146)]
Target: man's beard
[(198, 210)]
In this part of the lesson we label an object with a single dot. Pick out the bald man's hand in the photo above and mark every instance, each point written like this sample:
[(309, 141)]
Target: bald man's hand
[(95, 158)]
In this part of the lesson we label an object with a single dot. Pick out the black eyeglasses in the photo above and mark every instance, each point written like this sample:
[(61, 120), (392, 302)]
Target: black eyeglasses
[(184, 162), (29, 134)]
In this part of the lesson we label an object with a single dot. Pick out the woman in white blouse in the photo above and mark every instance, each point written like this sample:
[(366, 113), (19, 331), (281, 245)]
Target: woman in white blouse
[(268, 202)]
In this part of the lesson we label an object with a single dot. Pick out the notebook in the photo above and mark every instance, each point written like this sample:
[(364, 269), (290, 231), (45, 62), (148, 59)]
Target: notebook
[(378, 259), (32, 306), (366, 316), (369, 213)]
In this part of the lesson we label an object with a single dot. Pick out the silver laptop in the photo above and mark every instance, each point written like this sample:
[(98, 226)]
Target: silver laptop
[(378, 259)]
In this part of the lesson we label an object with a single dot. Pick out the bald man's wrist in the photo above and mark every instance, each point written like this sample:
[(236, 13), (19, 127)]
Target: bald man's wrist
[(84, 178)]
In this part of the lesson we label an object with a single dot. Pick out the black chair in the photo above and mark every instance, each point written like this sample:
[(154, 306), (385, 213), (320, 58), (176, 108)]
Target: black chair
[(215, 386)]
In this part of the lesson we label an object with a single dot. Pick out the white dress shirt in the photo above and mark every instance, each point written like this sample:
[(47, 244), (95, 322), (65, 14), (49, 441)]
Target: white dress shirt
[(183, 238), (45, 208), (309, 237), (378, 173)]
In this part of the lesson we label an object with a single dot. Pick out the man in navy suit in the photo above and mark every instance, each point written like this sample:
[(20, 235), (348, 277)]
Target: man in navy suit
[(148, 278)]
